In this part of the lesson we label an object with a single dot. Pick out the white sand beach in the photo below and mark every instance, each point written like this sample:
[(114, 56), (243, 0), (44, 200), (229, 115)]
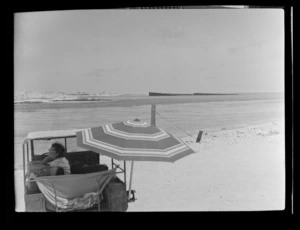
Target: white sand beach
[(232, 170)]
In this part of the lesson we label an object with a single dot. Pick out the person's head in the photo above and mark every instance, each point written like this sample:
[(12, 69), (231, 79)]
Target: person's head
[(57, 150)]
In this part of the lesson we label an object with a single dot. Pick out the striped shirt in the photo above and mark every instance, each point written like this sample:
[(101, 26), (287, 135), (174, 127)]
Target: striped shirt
[(62, 163)]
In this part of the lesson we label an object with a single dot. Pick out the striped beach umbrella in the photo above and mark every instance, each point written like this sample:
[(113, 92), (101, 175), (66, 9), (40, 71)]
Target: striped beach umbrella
[(133, 140)]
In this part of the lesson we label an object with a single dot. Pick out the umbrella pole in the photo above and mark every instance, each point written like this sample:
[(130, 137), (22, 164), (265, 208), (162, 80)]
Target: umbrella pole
[(130, 179)]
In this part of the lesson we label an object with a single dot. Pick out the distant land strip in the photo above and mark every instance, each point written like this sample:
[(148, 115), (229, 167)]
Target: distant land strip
[(185, 94)]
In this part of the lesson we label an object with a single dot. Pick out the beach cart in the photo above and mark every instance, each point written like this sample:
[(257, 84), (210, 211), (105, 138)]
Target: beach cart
[(91, 187), (106, 190)]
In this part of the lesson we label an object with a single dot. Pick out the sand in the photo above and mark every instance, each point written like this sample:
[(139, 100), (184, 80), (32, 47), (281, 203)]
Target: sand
[(232, 170)]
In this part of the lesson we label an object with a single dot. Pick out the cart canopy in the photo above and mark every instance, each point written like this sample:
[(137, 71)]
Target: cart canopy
[(52, 134)]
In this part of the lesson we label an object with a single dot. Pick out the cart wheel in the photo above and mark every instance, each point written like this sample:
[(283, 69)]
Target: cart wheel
[(132, 199)]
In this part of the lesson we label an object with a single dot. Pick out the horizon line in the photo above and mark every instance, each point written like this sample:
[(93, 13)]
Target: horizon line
[(121, 93)]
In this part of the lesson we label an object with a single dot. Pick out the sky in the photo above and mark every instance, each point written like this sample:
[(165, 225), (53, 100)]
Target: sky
[(138, 51)]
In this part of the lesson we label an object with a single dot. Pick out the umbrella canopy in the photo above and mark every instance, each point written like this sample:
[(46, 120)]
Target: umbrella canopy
[(134, 141)]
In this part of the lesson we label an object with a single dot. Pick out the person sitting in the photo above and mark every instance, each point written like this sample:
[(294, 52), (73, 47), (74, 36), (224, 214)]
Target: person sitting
[(56, 159)]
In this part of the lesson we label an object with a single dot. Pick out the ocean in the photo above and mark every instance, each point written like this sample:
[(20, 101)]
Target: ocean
[(181, 115)]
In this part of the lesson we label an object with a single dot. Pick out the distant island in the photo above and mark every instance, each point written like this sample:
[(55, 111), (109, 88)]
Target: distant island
[(185, 94), (30, 97)]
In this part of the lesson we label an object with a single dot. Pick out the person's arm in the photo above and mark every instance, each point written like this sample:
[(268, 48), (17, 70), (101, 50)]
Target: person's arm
[(53, 167), (46, 160), (53, 171)]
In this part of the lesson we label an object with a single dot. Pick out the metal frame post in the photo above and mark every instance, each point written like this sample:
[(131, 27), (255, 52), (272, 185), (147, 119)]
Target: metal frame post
[(125, 174), (130, 179), (25, 190), (66, 145), (153, 107), (27, 152), (32, 148)]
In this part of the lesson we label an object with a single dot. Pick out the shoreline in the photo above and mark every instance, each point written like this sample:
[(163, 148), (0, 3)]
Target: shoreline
[(255, 153), (148, 100), (219, 132), (208, 133)]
